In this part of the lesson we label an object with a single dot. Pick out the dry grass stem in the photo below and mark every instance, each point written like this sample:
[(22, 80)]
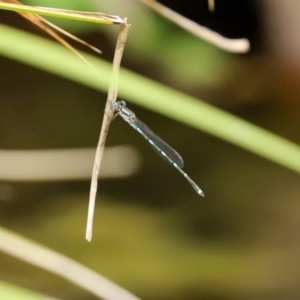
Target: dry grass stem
[(231, 45), (107, 118)]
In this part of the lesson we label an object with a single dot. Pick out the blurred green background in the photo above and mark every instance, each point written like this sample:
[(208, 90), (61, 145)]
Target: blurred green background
[(152, 233)]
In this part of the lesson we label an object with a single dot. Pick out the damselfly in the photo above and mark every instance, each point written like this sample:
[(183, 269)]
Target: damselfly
[(160, 146)]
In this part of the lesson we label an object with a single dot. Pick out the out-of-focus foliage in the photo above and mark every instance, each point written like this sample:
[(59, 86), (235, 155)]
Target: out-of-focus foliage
[(152, 234)]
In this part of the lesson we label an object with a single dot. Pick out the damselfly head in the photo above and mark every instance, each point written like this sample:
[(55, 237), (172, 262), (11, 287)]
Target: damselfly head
[(118, 105)]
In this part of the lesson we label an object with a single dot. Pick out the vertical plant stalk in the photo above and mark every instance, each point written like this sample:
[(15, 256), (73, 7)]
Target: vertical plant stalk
[(107, 118)]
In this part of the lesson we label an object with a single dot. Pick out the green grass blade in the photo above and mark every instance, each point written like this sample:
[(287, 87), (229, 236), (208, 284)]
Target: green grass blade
[(52, 58), (64, 13)]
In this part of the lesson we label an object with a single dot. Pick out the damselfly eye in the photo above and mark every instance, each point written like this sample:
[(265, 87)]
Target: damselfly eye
[(121, 104)]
